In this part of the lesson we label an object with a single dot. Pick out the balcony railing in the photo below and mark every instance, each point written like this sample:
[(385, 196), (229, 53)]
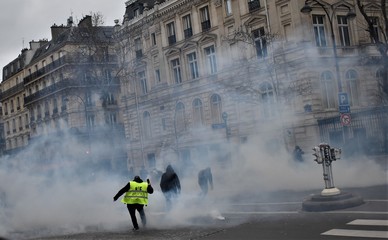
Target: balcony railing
[(188, 32), (253, 5), (62, 85), (205, 25), (69, 59), (171, 39), (18, 88)]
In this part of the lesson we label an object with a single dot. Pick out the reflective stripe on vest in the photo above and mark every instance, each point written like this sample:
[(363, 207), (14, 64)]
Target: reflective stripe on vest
[(137, 193)]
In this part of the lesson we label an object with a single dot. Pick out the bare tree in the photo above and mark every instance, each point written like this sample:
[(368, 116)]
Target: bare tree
[(379, 35)]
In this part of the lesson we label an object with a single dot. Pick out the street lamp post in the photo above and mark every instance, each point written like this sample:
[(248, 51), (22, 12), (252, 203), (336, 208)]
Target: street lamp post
[(330, 10), (225, 118)]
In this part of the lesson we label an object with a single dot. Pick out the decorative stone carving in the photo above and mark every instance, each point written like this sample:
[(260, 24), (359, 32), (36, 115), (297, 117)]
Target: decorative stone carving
[(217, 3)]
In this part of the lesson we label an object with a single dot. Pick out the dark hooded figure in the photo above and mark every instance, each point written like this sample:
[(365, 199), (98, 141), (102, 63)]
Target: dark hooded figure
[(170, 185), (205, 179)]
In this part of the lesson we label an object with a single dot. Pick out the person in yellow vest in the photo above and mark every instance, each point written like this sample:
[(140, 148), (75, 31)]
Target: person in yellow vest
[(136, 196)]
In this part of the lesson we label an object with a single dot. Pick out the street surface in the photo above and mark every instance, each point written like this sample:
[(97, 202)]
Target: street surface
[(258, 219)]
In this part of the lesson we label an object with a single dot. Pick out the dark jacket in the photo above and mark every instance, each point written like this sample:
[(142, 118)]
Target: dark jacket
[(170, 181), (205, 176), (126, 188)]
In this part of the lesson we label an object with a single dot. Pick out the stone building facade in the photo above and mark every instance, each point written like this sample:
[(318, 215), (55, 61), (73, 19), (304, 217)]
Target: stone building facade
[(68, 92), (15, 115), (202, 74), (191, 81)]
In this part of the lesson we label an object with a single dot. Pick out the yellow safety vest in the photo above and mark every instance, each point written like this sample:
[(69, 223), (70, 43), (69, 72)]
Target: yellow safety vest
[(137, 193)]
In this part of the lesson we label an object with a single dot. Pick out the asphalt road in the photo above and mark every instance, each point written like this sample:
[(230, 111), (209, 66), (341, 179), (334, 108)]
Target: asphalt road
[(258, 219)]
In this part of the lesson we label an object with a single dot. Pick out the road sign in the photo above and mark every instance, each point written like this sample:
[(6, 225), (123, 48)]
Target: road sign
[(344, 109), (343, 99), (345, 119)]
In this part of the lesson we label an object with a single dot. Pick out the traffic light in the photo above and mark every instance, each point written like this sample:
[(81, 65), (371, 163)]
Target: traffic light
[(318, 155), (335, 153)]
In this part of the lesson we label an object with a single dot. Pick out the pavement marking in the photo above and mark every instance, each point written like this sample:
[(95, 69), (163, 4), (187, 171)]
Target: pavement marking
[(359, 212), (357, 233), (369, 222), (253, 204), (278, 212)]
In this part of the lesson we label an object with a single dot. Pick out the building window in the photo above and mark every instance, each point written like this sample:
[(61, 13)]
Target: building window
[(216, 108), (13, 125), (376, 27), (193, 65), (171, 33), (143, 82), (88, 98), (211, 59), (20, 123), (153, 39), (197, 112), (18, 103), (157, 76), (136, 12), (343, 29), (187, 29), (147, 125), (327, 86), (205, 18), (138, 48), (90, 121), (12, 108), (164, 124), (352, 87), (5, 108), (260, 42), (319, 30), (176, 70), (253, 5), (228, 7), (268, 99), (111, 119), (180, 117)]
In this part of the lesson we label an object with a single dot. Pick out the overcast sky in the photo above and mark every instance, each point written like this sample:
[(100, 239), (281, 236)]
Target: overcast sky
[(25, 20)]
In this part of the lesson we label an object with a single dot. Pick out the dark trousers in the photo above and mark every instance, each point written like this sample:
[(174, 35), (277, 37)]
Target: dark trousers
[(204, 189), (132, 212)]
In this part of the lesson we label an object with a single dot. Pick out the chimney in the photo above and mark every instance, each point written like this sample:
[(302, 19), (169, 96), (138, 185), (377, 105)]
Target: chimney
[(86, 21), (56, 31)]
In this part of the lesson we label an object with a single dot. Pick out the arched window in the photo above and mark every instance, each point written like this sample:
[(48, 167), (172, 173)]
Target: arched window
[(327, 88), (180, 117), (147, 125), (352, 87), (268, 99), (197, 112), (216, 108)]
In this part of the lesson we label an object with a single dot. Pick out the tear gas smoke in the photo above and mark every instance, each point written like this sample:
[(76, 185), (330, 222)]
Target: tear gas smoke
[(66, 199)]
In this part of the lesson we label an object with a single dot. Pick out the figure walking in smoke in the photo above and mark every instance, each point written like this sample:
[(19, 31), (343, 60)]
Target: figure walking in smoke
[(298, 152), (170, 186), (205, 179), (136, 196)]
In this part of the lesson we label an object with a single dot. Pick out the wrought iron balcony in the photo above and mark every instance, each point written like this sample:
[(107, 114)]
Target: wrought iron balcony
[(188, 32), (205, 25), (171, 39)]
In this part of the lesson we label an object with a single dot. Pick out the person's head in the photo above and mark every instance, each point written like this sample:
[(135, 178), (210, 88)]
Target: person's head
[(169, 168), (137, 179)]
